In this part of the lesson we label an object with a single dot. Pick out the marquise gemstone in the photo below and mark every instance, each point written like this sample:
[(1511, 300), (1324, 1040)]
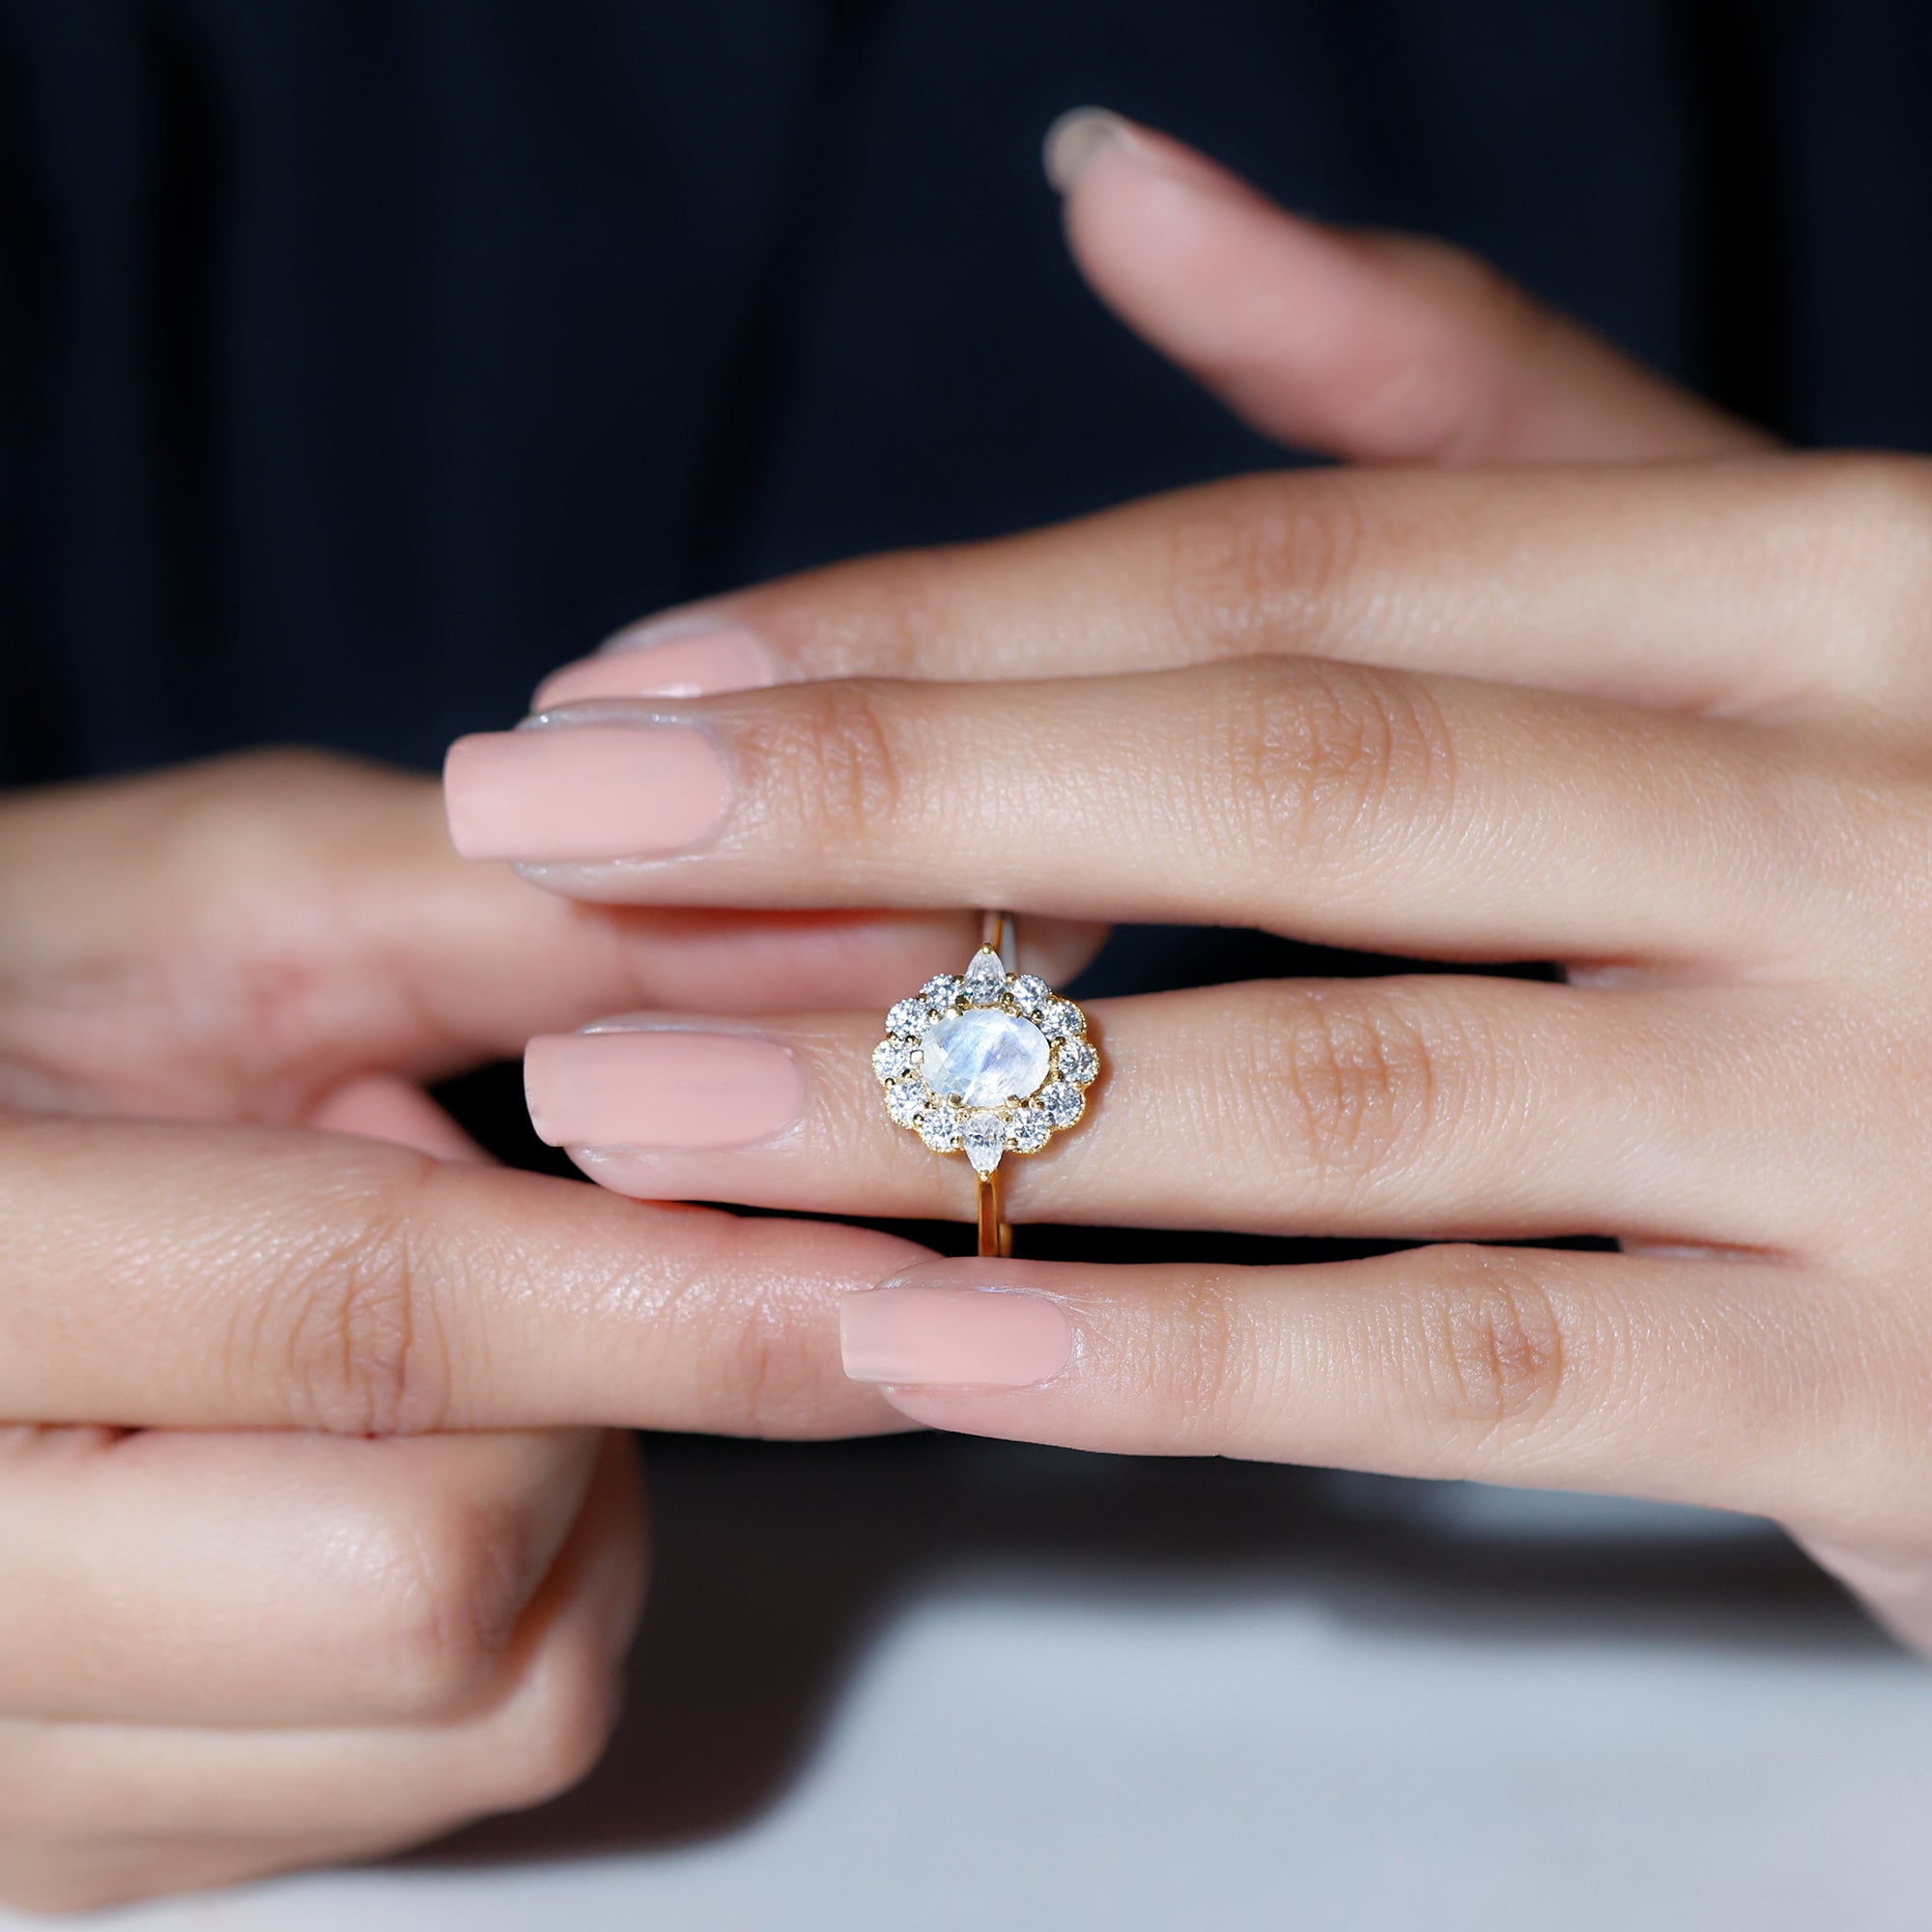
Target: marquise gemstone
[(985, 1056)]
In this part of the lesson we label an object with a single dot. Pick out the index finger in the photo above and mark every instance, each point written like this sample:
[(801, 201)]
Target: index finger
[(154, 1274)]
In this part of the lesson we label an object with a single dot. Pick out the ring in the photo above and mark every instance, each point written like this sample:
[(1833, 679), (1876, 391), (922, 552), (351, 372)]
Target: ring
[(987, 1063)]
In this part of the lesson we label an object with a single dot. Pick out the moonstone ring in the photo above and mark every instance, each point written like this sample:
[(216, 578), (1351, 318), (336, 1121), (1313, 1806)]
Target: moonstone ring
[(987, 1063)]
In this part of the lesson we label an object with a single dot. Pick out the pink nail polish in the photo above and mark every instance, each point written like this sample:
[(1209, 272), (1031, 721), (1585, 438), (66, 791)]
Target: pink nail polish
[(659, 1087), (584, 792), (991, 1338), (647, 661)]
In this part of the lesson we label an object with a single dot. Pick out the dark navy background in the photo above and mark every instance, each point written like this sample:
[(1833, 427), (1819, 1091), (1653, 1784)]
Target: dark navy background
[(362, 358)]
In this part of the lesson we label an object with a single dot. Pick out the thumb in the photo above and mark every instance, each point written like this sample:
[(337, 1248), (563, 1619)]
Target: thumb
[(1381, 348)]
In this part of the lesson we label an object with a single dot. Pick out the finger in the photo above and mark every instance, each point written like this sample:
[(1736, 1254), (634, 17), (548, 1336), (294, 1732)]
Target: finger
[(1412, 815), (171, 1576), (1759, 585), (380, 1107), (1895, 1581), (1431, 1106), (303, 919), (1671, 1378), (1385, 347), (272, 1278), (383, 1784)]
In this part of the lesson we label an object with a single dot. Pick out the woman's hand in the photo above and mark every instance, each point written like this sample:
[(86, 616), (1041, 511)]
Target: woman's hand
[(314, 1542), (1668, 721)]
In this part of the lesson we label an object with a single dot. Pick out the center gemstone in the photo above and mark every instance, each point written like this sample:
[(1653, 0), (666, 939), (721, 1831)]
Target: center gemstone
[(985, 1056)]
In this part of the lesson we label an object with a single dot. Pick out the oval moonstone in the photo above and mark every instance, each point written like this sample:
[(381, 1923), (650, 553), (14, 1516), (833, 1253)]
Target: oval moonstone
[(985, 1056)]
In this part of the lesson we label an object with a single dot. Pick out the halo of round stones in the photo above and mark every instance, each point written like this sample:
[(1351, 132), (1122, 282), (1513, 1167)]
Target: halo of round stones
[(1031, 992), (986, 1062), (907, 1099), (1074, 1059), (1061, 1019), (1061, 1104), (893, 1056)]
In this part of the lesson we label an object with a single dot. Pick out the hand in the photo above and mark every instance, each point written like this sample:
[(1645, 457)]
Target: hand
[(314, 1542), (1667, 720)]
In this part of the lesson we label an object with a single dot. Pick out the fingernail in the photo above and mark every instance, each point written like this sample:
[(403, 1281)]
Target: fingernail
[(990, 1337), (584, 792), (659, 1087), (1082, 135), (1077, 140), (657, 660)]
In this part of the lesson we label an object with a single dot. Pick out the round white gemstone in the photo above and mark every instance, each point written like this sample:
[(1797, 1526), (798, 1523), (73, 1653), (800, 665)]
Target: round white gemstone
[(906, 1100), (909, 1016), (985, 1056), (1031, 992), (1027, 1129), (941, 990), (1077, 1062), (939, 1129), (985, 1138), (1062, 1103), (890, 1058), (1060, 1019)]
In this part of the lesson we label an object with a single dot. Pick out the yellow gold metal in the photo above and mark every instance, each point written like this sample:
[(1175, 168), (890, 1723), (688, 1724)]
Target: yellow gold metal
[(996, 1236), (996, 930)]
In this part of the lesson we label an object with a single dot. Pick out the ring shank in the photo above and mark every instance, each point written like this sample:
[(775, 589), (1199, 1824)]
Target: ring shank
[(996, 1234)]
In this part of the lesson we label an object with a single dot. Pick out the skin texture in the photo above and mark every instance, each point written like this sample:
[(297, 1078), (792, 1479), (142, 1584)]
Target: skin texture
[(1580, 670)]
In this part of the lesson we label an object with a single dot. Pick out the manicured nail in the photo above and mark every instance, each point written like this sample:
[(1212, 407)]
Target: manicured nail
[(654, 659), (584, 792), (659, 1087), (991, 1338), (1077, 140)]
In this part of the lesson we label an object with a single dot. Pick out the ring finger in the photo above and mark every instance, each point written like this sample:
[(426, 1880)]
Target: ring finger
[(1431, 1105)]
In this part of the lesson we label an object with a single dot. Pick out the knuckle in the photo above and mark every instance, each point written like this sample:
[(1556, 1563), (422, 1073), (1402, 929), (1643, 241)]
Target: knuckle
[(347, 1319), (1348, 1085), (1339, 763), (1260, 563), (829, 763), (449, 1584), (1206, 1366), (1492, 1343)]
